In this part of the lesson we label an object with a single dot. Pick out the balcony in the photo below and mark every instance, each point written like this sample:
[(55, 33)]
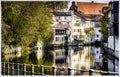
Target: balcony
[(59, 32)]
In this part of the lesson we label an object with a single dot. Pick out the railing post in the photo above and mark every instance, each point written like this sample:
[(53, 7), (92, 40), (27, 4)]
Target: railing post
[(24, 69), (90, 72), (108, 73), (4, 68), (69, 71), (32, 69), (7, 68), (54, 70), (42, 70), (12, 68), (17, 68)]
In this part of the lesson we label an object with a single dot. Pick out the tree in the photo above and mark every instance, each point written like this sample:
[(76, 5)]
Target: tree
[(29, 22), (89, 31), (25, 23), (16, 25), (104, 22)]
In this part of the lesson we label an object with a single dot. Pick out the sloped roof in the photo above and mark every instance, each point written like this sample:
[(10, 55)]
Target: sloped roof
[(90, 8), (79, 14)]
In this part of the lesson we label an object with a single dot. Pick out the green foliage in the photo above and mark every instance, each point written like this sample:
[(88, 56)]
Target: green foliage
[(89, 31), (24, 24), (104, 22), (48, 57), (16, 23), (89, 57)]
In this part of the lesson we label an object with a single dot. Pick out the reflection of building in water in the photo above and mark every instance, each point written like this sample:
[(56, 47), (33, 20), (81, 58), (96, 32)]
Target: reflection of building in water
[(80, 59), (97, 60), (73, 60), (59, 57), (38, 50), (111, 49), (12, 53), (98, 55), (97, 31), (84, 58)]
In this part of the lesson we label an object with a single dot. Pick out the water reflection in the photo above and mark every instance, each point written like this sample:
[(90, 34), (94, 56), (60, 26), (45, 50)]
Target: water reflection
[(82, 57)]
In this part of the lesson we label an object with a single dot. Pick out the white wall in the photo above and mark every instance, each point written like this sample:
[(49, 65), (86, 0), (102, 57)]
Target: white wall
[(97, 32), (111, 42), (98, 54), (59, 53)]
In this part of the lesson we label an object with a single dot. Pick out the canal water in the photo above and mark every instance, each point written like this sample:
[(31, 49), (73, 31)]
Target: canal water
[(83, 57), (78, 57)]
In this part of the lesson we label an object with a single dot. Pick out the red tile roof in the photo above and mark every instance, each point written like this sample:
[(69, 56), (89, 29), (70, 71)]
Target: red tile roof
[(90, 8)]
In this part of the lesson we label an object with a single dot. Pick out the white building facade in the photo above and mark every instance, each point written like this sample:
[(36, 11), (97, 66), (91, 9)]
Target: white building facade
[(113, 32), (61, 22)]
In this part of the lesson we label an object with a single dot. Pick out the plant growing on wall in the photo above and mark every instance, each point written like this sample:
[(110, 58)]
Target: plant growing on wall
[(89, 31), (104, 22)]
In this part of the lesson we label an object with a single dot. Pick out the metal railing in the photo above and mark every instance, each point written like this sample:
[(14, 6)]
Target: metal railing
[(32, 69)]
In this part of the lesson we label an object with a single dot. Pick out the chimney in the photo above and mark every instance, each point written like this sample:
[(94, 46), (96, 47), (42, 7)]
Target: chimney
[(73, 6), (92, 1)]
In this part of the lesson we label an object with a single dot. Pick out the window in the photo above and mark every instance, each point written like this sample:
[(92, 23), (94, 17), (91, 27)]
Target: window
[(65, 17), (60, 38), (97, 52), (76, 30), (75, 36), (59, 17), (57, 38), (59, 22), (40, 48), (56, 54), (67, 22), (59, 32), (36, 48), (63, 38), (62, 53), (97, 35), (76, 24), (99, 30)]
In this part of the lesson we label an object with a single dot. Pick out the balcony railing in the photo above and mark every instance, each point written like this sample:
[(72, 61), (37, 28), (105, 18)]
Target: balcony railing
[(32, 69)]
